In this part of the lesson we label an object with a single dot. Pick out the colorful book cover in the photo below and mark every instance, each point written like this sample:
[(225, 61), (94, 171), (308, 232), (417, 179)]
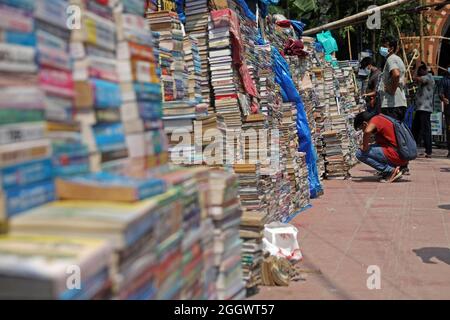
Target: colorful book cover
[(20, 199), (23, 174), (107, 94)]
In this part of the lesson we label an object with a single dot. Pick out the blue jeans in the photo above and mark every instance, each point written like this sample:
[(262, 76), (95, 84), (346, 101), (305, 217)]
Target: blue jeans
[(375, 158)]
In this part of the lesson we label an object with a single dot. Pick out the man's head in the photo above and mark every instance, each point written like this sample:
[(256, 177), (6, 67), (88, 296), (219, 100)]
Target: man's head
[(422, 70), (367, 63), (389, 46), (362, 120)]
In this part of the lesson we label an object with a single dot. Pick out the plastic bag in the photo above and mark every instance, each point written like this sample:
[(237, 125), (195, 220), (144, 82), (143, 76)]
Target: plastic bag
[(280, 240)]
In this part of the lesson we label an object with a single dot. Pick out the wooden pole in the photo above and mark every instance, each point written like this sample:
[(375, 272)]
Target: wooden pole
[(422, 42), (349, 44), (346, 21)]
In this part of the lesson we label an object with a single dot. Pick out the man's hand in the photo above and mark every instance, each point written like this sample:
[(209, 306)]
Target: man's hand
[(446, 101)]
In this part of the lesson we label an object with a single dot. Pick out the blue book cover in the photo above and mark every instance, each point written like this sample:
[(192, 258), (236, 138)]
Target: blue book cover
[(109, 134), (24, 198), (27, 5), (150, 110), (148, 91), (26, 173), (20, 38), (107, 94)]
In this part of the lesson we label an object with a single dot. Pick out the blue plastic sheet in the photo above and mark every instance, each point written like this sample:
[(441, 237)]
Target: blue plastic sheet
[(291, 94), (298, 26), (180, 10), (264, 6)]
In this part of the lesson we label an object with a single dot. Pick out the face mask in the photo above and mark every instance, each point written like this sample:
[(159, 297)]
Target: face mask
[(368, 70), (448, 70), (384, 51)]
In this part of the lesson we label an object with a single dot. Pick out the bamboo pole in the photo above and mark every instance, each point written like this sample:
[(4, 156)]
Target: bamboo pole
[(349, 44), (358, 16)]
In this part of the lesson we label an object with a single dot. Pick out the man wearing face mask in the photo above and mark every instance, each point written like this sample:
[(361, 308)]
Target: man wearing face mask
[(444, 94), (374, 78), (393, 101), (424, 107)]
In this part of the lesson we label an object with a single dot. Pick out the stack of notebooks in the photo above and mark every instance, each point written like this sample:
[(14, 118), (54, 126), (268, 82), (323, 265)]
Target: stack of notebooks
[(197, 13), (98, 94), (225, 211), (26, 173), (54, 267), (141, 112)]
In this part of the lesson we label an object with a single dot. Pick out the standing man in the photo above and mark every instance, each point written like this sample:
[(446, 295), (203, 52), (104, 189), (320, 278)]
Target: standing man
[(393, 101), (372, 85), (424, 108), (444, 94)]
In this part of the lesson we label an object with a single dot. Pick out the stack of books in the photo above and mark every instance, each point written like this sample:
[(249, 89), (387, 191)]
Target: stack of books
[(335, 164), (254, 204), (194, 66), (54, 267), (225, 211), (197, 13), (143, 234), (70, 154), (26, 171), (141, 112), (98, 94), (209, 274)]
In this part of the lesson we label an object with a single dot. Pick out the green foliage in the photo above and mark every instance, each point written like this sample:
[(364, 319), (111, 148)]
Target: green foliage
[(319, 12)]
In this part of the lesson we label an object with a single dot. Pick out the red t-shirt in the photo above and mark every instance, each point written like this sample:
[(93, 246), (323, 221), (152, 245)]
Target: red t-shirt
[(385, 137)]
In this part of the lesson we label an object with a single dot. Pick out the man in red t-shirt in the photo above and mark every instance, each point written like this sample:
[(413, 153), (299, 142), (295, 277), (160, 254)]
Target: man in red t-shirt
[(382, 155)]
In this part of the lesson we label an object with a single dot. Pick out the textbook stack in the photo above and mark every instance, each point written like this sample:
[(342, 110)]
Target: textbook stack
[(141, 112), (197, 13), (70, 154), (335, 164), (26, 173), (225, 211), (37, 267), (98, 94)]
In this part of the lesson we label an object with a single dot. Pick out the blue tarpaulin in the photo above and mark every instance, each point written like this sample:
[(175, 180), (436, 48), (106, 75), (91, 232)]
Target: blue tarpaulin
[(291, 94)]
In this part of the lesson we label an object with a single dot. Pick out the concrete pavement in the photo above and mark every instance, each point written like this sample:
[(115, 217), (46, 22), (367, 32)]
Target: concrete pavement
[(402, 228)]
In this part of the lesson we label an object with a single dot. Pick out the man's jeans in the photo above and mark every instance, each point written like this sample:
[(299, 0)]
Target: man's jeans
[(375, 158)]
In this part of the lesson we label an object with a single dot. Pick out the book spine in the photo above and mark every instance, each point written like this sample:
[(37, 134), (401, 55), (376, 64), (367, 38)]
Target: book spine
[(57, 82), (27, 5), (18, 200), (107, 94), (21, 132), (18, 38), (22, 152), (52, 12), (26, 173), (98, 31), (8, 116), (15, 19)]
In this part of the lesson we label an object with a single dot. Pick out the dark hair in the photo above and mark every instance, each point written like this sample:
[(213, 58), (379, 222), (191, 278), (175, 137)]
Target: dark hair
[(365, 62), (423, 67), (362, 117), (391, 41)]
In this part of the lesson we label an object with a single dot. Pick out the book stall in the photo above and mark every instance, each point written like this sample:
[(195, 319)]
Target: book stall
[(149, 144)]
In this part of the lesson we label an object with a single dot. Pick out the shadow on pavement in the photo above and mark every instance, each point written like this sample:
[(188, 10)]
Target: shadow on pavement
[(428, 253), (445, 169), (445, 206)]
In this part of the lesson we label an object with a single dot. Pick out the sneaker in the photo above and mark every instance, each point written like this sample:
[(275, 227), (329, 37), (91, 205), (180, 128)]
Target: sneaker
[(448, 155), (428, 156), (396, 174), (405, 171)]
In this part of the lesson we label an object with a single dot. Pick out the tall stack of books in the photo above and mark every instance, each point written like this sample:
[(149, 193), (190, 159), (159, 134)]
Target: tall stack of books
[(178, 111), (335, 164), (70, 154), (194, 66), (141, 112), (254, 217), (26, 173), (98, 94), (37, 267), (197, 13), (226, 213)]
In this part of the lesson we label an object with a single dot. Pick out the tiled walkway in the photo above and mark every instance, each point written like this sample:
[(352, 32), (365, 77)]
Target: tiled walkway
[(403, 228)]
